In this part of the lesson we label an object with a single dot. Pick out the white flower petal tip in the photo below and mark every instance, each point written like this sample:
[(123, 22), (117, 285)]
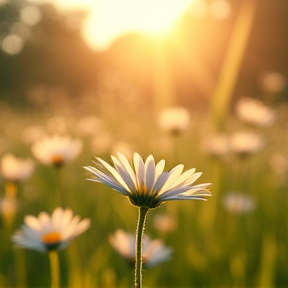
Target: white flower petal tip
[(145, 183), (154, 251), (45, 233), (57, 150)]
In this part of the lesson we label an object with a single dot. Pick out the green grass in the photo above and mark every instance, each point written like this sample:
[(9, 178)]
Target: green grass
[(212, 247)]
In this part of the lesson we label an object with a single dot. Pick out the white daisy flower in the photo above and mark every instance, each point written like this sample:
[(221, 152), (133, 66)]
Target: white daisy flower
[(154, 251), (56, 150), (15, 169), (145, 184), (47, 233)]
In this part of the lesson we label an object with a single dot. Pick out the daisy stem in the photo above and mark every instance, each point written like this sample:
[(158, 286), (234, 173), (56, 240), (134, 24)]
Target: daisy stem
[(54, 264), (142, 213)]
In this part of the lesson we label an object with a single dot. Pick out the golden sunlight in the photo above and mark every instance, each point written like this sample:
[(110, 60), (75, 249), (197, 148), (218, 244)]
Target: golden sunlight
[(109, 19)]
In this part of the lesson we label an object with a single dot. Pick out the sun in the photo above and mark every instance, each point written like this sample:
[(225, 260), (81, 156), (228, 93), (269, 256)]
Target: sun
[(108, 19)]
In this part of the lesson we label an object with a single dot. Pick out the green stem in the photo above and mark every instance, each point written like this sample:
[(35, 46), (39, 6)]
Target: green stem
[(142, 213), (54, 264), (59, 188)]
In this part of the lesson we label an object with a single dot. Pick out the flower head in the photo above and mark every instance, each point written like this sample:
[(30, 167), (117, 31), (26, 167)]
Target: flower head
[(254, 112), (47, 233), (174, 120), (145, 184), (16, 169), (216, 145), (154, 252), (245, 143), (56, 150)]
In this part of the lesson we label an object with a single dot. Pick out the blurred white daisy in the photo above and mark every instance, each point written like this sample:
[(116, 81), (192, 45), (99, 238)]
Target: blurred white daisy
[(89, 126), (238, 203), (56, 150), (245, 143), (32, 134), (174, 120), (101, 144), (154, 251), (15, 169), (57, 125), (254, 112), (216, 145), (45, 233), (145, 184)]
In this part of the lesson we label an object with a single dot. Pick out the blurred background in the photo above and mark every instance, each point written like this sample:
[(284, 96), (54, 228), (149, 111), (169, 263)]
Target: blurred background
[(198, 82)]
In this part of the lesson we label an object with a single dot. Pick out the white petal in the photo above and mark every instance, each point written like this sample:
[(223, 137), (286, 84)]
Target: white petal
[(102, 178), (159, 168), (124, 174), (32, 222), (115, 174), (149, 173), (125, 163), (174, 175), (160, 182), (183, 178), (140, 171)]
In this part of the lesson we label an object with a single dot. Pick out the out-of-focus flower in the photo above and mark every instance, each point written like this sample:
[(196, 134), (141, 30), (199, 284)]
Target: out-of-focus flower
[(164, 223), (252, 111), (57, 125), (245, 143), (33, 134), (238, 203), (216, 145), (122, 147), (145, 184), (279, 165), (89, 126), (272, 82), (154, 251), (101, 144), (56, 150), (174, 120), (14, 169), (45, 233)]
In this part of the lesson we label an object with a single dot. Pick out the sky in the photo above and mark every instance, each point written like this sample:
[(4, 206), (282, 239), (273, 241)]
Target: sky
[(109, 19)]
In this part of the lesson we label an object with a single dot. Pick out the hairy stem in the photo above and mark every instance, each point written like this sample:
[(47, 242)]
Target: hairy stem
[(142, 213)]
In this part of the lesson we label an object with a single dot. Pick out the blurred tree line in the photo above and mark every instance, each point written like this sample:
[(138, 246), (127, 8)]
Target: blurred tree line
[(55, 54)]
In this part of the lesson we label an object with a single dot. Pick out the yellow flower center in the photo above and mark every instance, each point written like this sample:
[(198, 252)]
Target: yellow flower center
[(51, 238), (57, 160)]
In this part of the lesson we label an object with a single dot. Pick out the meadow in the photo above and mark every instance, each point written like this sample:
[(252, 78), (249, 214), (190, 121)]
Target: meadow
[(237, 238)]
